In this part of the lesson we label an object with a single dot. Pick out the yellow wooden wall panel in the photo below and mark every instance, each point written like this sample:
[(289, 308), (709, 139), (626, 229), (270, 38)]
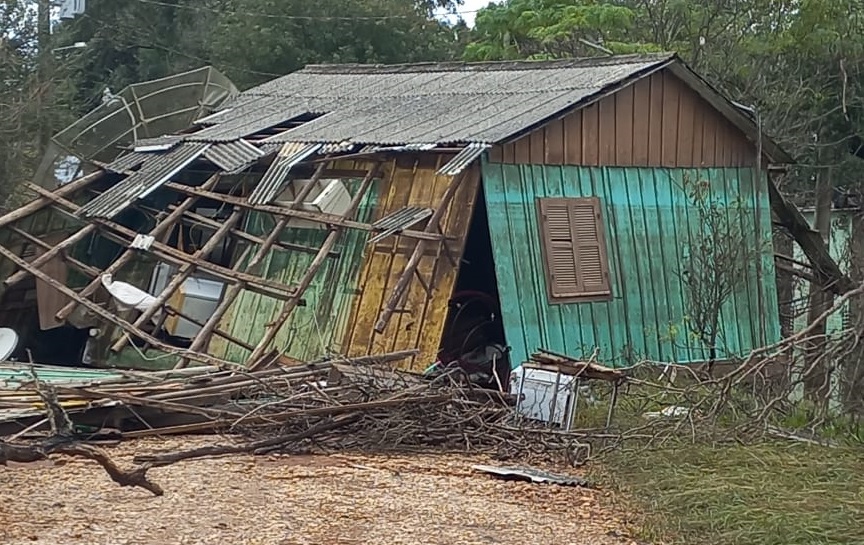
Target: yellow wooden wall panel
[(420, 324)]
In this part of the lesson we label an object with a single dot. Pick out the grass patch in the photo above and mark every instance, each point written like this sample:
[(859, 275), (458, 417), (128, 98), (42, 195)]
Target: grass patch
[(767, 494)]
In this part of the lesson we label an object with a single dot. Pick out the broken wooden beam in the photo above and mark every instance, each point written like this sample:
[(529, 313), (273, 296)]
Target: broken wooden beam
[(41, 202), (282, 211), (125, 236), (104, 314), (202, 340), (183, 274), (328, 244), (826, 270), (128, 254), (61, 246)]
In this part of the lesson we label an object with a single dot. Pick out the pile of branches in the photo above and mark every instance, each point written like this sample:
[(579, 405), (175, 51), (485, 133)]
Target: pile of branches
[(359, 405), (806, 388)]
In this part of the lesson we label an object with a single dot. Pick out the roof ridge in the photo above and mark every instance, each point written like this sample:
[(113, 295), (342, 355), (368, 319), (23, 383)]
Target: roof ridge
[(509, 65)]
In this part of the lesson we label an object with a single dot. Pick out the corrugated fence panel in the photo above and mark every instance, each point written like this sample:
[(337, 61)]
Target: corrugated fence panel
[(646, 214), (318, 327)]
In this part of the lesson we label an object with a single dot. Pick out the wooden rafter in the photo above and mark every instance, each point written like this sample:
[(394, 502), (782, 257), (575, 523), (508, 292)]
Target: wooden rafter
[(202, 340), (183, 274), (104, 314), (124, 235), (129, 254), (255, 359), (283, 211)]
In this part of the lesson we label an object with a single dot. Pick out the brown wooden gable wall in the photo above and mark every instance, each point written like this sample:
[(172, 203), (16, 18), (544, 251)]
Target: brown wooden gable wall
[(658, 121)]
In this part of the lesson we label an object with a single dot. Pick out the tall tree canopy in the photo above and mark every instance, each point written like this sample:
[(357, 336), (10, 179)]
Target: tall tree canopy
[(798, 61)]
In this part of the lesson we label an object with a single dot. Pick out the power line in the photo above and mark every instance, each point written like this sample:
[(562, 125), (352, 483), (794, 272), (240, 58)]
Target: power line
[(146, 43), (298, 17)]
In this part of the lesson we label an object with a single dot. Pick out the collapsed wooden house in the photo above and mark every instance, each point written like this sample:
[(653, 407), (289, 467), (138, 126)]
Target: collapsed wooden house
[(443, 207)]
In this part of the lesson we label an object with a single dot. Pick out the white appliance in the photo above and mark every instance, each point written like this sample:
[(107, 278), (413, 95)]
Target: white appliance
[(196, 298), (545, 396), (328, 197)]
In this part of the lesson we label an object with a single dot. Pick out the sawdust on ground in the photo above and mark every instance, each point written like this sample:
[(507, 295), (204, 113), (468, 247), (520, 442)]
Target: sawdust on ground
[(332, 500)]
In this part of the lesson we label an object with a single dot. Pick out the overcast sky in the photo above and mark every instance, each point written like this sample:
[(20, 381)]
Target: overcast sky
[(472, 6)]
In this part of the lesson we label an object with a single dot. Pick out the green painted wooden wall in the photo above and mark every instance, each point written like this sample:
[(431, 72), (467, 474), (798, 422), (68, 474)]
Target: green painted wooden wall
[(646, 213), (316, 329)]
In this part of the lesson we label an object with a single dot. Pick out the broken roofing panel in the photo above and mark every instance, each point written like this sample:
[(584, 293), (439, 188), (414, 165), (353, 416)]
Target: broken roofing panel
[(399, 221), (463, 159), (155, 172), (130, 161), (233, 157), (274, 179)]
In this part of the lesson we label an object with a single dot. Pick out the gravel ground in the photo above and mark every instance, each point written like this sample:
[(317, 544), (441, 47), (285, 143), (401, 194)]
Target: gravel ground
[(332, 500)]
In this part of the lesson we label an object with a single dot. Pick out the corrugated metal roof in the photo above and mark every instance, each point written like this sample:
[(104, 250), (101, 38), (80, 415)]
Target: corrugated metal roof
[(274, 179), (232, 157), (156, 171), (421, 104), (439, 103), (398, 221), (463, 159)]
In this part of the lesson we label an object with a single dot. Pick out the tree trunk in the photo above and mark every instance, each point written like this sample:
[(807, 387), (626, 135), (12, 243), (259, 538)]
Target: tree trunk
[(817, 382)]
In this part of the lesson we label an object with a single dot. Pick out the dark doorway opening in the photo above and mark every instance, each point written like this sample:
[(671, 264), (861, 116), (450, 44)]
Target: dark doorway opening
[(473, 340)]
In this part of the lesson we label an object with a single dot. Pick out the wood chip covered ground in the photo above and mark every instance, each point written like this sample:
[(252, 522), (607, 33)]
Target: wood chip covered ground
[(339, 499)]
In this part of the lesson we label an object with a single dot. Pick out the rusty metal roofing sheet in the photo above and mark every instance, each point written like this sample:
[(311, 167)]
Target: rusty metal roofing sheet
[(156, 171), (129, 161), (463, 159), (274, 179), (232, 157)]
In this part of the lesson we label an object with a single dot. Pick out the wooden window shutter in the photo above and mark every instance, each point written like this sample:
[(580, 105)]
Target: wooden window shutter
[(574, 248)]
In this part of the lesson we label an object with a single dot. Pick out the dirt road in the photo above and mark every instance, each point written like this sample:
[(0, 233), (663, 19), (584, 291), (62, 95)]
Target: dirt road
[(332, 500)]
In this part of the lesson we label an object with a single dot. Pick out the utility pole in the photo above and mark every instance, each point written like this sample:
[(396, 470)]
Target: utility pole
[(46, 74)]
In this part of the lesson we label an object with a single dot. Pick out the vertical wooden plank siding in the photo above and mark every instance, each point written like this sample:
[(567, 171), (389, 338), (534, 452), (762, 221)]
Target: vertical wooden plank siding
[(420, 322), (646, 217), (657, 121)]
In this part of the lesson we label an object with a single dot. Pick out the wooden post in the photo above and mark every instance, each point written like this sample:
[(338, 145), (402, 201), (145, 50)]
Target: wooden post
[(419, 250), (182, 274), (273, 328), (202, 340), (160, 228)]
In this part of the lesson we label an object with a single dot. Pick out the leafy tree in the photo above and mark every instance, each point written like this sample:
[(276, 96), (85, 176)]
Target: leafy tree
[(292, 33), (553, 29)]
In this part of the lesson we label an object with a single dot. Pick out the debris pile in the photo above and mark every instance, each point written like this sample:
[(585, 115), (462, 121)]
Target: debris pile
[(359, 404)]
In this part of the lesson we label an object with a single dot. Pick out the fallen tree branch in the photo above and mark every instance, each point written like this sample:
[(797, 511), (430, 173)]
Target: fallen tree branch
[(26, 454)]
